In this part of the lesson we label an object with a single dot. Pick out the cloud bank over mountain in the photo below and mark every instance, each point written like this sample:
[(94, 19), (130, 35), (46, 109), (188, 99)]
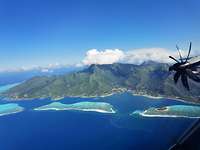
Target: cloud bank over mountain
[(110, 56), (161, 55), (136, 56), (107, 56)]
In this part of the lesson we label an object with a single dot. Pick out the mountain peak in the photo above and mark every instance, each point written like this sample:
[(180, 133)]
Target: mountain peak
[(149, 62)]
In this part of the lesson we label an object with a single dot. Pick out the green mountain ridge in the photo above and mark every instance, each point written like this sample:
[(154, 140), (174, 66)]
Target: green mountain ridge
[(149, 78)]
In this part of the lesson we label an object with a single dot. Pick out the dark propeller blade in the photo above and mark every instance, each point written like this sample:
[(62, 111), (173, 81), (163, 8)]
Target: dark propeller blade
[(185, 81), (176, 76), (192, 75), (189, 52), (174, 59), (181, 58)]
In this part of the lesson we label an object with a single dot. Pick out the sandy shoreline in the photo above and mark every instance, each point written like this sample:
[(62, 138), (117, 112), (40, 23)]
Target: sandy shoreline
[(107, 95), (8, 113), (166, 116)]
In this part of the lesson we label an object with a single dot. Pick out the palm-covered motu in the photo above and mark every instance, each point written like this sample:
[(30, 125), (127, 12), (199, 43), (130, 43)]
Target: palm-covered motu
[(186, 67)]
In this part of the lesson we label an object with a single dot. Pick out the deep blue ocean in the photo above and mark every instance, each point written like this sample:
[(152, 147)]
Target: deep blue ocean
[(78, 130)]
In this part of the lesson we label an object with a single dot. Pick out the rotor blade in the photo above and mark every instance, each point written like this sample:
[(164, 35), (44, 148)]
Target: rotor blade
[(185, 81), (176, 76), (174, 59), (190, 47), (181, 58), (192, 75)]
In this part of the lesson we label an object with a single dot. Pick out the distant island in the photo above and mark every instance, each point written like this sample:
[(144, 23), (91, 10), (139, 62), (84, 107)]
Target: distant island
[(81, 106), (149, 79), (6, 109), (171, 111)]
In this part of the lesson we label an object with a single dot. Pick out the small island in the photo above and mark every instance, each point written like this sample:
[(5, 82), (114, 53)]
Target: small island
[(6, 109), (81, 106), (171, 111)]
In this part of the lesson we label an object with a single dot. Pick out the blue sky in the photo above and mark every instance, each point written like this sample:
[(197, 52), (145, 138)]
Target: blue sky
[(40, 32)]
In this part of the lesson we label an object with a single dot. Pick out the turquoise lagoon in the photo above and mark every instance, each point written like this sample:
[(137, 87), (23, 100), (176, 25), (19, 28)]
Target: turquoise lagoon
[(4, 88), (6, 109)]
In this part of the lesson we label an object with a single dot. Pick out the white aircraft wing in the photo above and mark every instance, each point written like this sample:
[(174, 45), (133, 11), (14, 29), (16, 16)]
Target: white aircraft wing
[(192, 62)]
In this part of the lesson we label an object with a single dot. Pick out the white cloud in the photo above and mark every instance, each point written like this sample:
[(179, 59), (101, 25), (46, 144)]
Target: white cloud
[(47, 68), (196, 52), (136, 56), (107, 56)]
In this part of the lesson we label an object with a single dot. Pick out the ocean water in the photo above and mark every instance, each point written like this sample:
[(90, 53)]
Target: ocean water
[(78, 130)]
